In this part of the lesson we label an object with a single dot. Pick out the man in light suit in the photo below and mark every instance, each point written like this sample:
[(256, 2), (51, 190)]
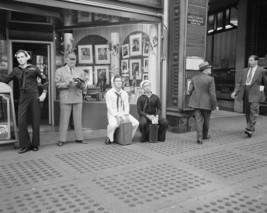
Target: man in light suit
[(203, 100), (69, 82), (250, 87)]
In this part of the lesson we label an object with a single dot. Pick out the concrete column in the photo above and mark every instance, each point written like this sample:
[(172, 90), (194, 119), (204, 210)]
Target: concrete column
[(153, 72), (115, 55), (241, 46)]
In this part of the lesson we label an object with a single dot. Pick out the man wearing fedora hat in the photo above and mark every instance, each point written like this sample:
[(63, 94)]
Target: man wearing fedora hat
[(203, 100), (149, 109)]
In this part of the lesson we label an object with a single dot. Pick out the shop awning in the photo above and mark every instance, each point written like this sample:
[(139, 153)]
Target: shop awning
[(104, 7)]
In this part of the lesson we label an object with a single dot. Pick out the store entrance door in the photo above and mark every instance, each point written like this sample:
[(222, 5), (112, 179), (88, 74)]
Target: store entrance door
[(41, 57)]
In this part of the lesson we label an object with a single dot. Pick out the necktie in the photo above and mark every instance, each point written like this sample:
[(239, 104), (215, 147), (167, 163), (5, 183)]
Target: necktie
[(249, 76), (118, 99), (23, 83)]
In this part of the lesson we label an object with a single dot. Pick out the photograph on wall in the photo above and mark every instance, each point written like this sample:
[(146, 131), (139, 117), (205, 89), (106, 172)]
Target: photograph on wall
[(85, 54), (101, 75), (102, 55), (145, 64), (136, 44), (145, 77), (146, 48), (125, 68), (88, 74), (135, 69), (125, 51)]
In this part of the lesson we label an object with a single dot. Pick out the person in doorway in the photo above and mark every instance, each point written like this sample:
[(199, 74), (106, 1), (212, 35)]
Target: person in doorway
[(118, 109), (70, 83), (29, 101), (250, 87), (149, 109), (203, 100)]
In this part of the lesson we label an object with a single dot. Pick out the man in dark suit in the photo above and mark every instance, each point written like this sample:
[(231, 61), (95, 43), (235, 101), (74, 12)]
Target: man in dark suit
[(250, 88), (203, 100)]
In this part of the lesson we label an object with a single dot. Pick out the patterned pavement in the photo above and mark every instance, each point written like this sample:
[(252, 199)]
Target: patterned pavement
[(227, 174)]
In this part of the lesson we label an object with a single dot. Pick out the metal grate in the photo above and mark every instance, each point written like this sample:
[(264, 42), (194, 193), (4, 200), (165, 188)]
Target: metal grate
[(149, 184), (255, 148), (102, 158), (225, 163), (234, 203), (61, 199), (27, 172)]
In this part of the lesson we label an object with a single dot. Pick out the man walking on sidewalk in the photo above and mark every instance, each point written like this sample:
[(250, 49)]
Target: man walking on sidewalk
[(250, 88)]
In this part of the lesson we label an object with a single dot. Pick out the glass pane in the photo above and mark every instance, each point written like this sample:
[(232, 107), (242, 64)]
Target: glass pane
[(234, 14), (211, 23), (220, 20)]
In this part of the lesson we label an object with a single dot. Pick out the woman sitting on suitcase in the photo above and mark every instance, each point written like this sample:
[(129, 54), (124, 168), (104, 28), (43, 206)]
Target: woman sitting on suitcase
[(149, 110), (118, 109)]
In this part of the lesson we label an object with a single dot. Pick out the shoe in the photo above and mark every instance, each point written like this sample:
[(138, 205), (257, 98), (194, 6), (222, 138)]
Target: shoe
[(206, 137), (107, 141), (60, 143), (23, 150), (199, 141), (81, 141), (248, 132), (35, 148)]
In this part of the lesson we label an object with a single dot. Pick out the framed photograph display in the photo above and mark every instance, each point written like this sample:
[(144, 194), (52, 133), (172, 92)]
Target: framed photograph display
[(88, 73), (145, 64), (135, 69), (85, 54), (102, 55), (146, 48), (136, 44), (101, 74), (125, 51), (125, 68), (145, 76)]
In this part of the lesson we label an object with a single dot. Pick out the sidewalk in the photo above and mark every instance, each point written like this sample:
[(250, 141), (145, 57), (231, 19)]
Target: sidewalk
[(227, 174)]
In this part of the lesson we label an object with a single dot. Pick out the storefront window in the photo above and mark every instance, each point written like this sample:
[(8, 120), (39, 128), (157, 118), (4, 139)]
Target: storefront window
[(104, 51)]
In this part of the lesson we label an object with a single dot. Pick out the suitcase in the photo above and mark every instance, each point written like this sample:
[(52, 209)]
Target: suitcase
[(123, 134), (153, 133)]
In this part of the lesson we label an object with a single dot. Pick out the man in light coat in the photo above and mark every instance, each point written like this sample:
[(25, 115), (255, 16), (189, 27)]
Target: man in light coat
[(250, 87), (203, 100), (70, 83), (118, 109)]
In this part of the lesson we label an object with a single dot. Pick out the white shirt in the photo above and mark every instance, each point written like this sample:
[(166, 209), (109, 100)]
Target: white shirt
[(253, 72), (119, 108)]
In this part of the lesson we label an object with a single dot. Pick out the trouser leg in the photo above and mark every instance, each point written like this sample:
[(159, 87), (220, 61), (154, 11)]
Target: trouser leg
[(35, 117), (163, 126), (77, 120), (206, 123), (23, 111), (252, 115), (143, 127), (112, 126), (135, 124), (199, 122), (65, 110)]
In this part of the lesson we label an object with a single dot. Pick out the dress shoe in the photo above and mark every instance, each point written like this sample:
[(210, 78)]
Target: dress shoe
[(81, 141), (248, 132), (199, 141), (60, 143), (206, 137), (107, 141), (25, 149), (35, 148)]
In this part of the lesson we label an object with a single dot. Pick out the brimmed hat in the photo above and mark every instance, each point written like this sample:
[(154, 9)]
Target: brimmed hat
[(144, 81), (204, 65)]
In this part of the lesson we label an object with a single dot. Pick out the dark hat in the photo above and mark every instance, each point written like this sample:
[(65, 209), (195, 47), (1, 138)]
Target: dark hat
[(204, 65)]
